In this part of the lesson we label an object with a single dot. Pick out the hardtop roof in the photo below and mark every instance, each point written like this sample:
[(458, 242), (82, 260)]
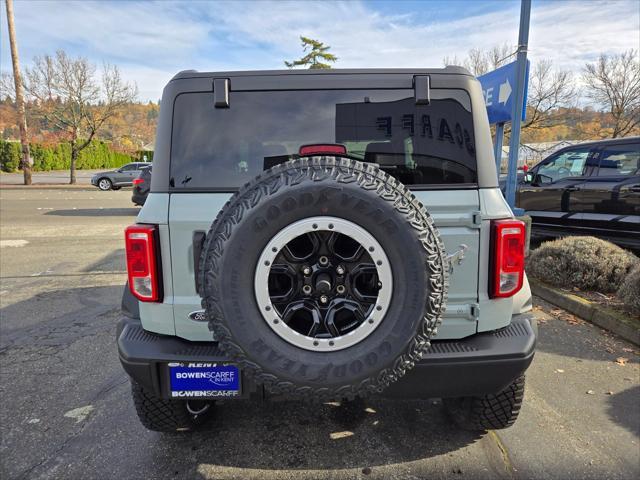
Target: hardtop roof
[(448, 70)]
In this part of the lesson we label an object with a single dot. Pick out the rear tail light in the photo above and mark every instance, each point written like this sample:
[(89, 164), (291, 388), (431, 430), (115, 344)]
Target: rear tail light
[(137, 181), (322, 149), (142, 262), (507, 247)]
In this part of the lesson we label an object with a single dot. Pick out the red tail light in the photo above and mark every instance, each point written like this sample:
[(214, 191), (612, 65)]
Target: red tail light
[(322, 149), (507, 247), (137, 181), (142, 262)]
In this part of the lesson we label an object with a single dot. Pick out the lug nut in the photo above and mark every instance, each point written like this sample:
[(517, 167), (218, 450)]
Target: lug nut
[(324, 299), (340, 270), (306, 271), (307, 289), (323, 261), (340, 289)]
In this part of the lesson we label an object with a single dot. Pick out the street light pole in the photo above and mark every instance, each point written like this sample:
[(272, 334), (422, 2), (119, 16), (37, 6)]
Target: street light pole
[(25, 162), (516, 117)]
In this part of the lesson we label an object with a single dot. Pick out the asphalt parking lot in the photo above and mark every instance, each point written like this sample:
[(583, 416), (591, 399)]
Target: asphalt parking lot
[(66, 412)]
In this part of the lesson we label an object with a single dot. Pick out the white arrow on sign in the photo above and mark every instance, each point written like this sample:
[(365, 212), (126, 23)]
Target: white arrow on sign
[(505, 91)]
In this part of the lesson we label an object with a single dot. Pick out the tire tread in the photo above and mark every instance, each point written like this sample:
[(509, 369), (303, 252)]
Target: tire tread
[(368, 177)]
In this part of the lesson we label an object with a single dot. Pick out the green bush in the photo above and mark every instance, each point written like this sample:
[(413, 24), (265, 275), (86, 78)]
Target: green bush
[(58, 157), (10, 153), (588, 263), (629, 291)]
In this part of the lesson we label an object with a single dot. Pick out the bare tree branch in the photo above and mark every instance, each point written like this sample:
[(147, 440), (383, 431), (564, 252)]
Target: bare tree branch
[(613, 83), (68, 93), (549, 89), (7, 89)]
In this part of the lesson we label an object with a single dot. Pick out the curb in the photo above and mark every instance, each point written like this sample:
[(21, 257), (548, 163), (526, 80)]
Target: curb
[(620, 324), (47, 186)]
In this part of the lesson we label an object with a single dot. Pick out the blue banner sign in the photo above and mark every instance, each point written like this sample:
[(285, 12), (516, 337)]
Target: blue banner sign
[(498, 88)]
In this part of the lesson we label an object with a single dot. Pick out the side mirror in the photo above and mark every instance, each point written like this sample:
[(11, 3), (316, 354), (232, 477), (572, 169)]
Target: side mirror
[(528, 178), (543, 179)]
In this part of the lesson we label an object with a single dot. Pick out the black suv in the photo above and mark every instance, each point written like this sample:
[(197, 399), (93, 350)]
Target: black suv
[(589, 188)]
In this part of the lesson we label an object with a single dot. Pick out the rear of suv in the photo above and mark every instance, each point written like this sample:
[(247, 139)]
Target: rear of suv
[(325, 236)]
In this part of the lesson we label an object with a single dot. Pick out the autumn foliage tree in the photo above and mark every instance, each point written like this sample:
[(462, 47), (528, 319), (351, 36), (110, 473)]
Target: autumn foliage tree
[(68, 93)]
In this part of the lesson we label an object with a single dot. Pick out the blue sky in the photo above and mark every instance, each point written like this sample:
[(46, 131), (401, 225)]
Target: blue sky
[(151, 41)]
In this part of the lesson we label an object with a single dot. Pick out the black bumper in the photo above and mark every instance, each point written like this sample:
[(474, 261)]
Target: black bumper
[(138, 196), (481, 364)]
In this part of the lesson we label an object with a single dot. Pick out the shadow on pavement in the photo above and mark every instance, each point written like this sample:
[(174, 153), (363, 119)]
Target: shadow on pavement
[(580, 340), (624, 409), (114, 261), (286, 437), (56, 317), (95, 212), (66, 353)]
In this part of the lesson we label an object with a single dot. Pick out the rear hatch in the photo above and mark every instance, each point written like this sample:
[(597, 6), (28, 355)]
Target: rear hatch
[(428, 145)]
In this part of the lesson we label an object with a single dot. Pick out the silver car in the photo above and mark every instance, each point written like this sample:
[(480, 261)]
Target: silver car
[(115, 179)]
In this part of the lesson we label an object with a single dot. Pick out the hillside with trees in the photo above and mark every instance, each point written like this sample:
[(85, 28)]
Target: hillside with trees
[(602, 101)]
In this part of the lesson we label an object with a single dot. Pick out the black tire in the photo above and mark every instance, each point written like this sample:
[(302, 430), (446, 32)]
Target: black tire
[(105, 184), (488, 412), (163, 415), (354, 191)]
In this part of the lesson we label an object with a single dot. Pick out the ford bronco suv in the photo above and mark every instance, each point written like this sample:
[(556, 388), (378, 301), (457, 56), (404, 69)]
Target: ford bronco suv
[(325, 236)]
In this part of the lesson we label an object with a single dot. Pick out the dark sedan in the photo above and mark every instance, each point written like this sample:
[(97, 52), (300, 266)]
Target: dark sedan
[(589, 189), (116, 179), (141, 186)]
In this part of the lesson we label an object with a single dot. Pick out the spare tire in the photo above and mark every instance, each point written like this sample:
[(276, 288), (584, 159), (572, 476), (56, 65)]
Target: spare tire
[(324, 278)]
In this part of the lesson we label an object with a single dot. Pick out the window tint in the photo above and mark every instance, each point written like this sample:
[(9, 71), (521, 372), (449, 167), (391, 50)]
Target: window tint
[(571, 163), (619, 160), (129, 167), (226, 147)]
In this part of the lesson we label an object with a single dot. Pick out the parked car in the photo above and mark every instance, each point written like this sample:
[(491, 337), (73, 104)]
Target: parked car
[(141, 186), (589, 188), (116, 179), (303, 232)]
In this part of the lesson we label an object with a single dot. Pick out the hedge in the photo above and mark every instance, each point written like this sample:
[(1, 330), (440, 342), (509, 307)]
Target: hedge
[(58, 157)]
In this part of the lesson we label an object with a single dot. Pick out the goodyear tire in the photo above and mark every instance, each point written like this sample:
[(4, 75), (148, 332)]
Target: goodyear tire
[(324, 278), (488, 412), (161, 415)]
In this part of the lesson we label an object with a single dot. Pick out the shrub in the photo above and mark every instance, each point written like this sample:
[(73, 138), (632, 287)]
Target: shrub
[(10, 153), (588, 263), (58, 157), (629, 291)]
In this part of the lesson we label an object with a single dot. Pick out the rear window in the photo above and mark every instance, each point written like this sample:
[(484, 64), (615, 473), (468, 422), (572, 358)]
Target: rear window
[(222, 148)]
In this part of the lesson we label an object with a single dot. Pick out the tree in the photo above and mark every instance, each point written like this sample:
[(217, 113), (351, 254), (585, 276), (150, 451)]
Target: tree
[(25, 162), (549, 88), (318, 51), (613, 83), (480, 61), (69, 95)]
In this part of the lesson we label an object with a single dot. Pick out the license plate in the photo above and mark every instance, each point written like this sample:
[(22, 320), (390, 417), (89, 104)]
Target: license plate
[(203, 380)]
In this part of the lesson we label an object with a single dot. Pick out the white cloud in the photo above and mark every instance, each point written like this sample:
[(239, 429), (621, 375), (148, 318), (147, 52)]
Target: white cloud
[(152, 41)]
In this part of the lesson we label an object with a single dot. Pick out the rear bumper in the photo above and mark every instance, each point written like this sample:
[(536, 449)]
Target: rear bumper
[(138, 197), (481, 364)]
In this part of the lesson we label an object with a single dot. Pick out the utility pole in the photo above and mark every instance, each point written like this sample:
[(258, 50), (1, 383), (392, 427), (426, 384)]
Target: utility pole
[(25, 162), (514, 142)]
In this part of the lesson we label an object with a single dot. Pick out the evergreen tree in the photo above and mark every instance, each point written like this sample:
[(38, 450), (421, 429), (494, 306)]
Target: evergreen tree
[(318, 53)]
